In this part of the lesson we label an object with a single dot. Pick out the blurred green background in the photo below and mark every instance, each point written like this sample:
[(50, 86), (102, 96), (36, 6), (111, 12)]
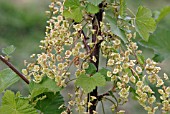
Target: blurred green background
[(22, 24)]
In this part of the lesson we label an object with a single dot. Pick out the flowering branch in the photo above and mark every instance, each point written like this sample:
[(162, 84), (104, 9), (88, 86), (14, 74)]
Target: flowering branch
[(14, 69)]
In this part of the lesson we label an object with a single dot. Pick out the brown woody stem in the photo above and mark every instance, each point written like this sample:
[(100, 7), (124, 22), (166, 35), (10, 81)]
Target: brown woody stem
[(96, 26), (14, 69)]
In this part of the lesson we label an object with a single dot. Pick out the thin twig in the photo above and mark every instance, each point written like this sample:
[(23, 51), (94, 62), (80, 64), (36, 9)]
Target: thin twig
[(103, 107), (99, 97), (113, 96), (87, 47), (88, 99), (134, 72), (111, 101), (14, 69), (71, 80)]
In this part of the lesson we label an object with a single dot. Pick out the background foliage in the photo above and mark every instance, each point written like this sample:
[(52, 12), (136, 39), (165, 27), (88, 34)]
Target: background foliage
[(22, 25)]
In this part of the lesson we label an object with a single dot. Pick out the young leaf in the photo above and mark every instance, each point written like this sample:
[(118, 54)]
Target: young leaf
[(103, 72), (12, 104), (95, 2), (159, 42), (91, 69), (73, 10), (123, 8), (8, 50), (7, 78), (67, 14), (47, 85), (164, 12), (72, 3), (141, 59), (99, 79), (144, 22), (115, 29), (89, 83), (86, 83), (74, 13), (77, 14), (51, 104), (92, 8), (128, 71)]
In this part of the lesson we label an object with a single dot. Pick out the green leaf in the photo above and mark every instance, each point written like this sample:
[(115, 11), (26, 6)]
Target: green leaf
[(95, 2), (99, 79), (141, 59), (92, 8), (47, 85), (74, 13), (51, 104), (91, 69), (73, 10), (158, 58), (67, 14), (128, 71), (115, 29), (103, 72), (159, 42), (8, 50), (77, 14), (88, 84), (123, 8), (144, 23), (12, 104), (163, 13), (72, 3), (7, 78)]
